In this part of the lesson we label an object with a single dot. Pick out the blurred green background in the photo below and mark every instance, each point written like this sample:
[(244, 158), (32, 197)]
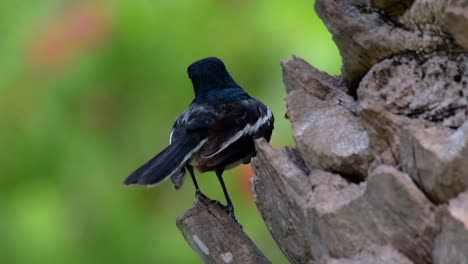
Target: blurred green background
[(89, 91)]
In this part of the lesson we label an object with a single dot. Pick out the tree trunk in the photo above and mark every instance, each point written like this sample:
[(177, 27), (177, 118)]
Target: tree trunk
[(380, 170)]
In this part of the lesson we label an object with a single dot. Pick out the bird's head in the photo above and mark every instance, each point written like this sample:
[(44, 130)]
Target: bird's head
[(209, 74)]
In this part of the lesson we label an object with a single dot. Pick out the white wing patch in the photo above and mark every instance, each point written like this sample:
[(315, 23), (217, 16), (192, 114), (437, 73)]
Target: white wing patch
[(247, 130), (170, 136), (186, 116)]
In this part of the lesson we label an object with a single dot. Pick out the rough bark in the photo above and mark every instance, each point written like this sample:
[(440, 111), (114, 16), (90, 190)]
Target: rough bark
[(435, 89), (366, 36), (451, 245), (318, 105), (381, 255), (437, 160), (378, 149), (215, 236), (392, 7), (318, 214), (379, 172)]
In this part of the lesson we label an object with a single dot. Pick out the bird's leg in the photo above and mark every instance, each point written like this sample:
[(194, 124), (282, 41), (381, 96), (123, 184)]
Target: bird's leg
[(190, 170), (230, 206)]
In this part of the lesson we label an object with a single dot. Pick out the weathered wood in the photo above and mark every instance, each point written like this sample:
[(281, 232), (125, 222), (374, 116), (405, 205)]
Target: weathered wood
[(439, 18), (364, 36), (318, 214), (437, 159), (398, 109), (280, 188), (392, 7), (455, 20), (215, 236), (434, 89), (300, 75), (328, 133), (451, 245), (383, 129), (381, 255)]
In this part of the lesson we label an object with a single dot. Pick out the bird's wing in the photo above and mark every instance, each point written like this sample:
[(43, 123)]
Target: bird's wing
[(197, 119), (234, 121)]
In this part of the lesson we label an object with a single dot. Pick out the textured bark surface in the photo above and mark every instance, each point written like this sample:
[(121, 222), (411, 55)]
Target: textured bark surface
[(215, 236), (379, 173), (317, 107), (322, 215), (381, 255), (435, 89), (365, 35), (381, 148), (451, 245), (437, 159), (392, 7)]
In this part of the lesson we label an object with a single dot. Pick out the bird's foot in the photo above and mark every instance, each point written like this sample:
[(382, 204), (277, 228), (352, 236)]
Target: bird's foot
[(229, 209), (198, 193)]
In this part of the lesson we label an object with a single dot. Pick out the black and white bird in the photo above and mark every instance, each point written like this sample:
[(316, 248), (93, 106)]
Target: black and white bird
[(215, 133)]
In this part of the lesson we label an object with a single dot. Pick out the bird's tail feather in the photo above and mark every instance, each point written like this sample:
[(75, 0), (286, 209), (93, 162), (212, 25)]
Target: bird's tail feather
[(171, 160), (178, 178)]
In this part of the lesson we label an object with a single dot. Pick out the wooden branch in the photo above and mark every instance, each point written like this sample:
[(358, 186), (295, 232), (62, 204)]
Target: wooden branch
[(215, 236)]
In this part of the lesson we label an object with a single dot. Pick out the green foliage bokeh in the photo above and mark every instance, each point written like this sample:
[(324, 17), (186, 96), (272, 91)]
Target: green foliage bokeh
[(89, 91)]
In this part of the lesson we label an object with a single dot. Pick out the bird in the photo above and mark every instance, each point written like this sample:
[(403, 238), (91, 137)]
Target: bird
[(215, 133)]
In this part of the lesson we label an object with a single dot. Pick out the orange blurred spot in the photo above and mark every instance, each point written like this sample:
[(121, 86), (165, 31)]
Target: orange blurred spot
[(78, 27), (243, 174)]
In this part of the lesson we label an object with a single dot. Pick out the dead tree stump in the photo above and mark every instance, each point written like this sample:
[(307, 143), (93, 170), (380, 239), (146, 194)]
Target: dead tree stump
[(379, 173)]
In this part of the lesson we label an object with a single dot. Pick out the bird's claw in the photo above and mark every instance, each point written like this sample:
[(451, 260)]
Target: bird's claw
[(229, 209)]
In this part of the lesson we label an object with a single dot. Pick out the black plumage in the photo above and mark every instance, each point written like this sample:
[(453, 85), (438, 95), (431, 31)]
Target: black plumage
[(216, 132)]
